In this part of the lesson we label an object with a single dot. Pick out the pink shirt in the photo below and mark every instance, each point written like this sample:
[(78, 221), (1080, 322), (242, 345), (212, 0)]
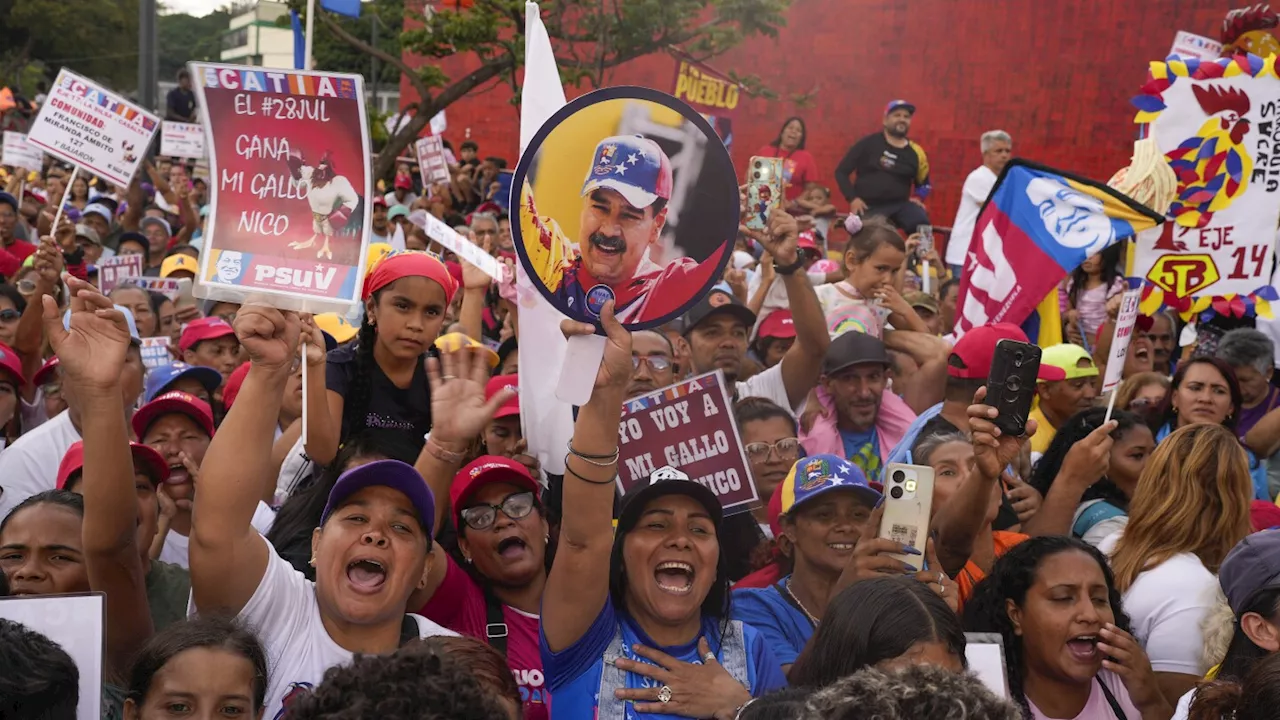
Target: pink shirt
[(458, 604), (1098, 708)]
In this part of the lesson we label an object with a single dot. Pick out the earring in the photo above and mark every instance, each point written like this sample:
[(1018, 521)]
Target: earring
[(467, 558), (313, 561)]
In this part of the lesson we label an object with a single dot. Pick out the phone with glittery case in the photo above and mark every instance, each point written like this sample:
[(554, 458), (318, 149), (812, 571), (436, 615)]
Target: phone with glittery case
[(764, 190), (908, 501)]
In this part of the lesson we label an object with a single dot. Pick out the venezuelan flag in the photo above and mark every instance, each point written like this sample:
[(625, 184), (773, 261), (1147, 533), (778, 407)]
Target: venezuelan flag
[(1037, 225)]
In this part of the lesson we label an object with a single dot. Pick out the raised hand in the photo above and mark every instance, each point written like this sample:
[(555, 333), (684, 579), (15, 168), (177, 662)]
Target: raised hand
[(781, 236), (313, 341), (91, 352), (615, 369), (992, 450), (458, 407), (1025, 500), (270, 336), (1089, 459), (473, 278)]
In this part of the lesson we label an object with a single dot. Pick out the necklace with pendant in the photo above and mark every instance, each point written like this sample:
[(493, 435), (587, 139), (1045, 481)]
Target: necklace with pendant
[(800, 605)]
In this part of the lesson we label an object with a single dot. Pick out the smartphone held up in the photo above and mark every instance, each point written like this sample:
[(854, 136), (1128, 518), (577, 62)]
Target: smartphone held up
[(1011, 384)]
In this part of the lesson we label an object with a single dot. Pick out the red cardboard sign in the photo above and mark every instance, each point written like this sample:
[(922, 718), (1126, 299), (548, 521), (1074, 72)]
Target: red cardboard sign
[(688, 426)]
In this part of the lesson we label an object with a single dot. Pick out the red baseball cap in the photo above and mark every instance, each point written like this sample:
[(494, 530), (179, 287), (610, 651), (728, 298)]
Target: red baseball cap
[(971, 357), (10, 362), (46, 371), (485, 470), (173, 402), (379, 200), (404, 182), (207, 328), (779, 324), (808, 241), (145, 460), (232, 388), (495, 385)]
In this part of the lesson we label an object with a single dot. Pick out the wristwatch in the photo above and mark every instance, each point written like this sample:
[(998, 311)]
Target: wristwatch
[(791, 268)]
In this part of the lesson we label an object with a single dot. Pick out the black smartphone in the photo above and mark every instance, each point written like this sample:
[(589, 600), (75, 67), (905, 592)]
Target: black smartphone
[(1011, 384)]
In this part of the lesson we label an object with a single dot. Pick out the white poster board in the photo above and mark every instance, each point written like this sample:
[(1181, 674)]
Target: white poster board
[(86, 124), (1190, 45), (462, 247), (18, 152), (184, 140), (984, 654), (1125, 322), (75, 622), (116, 268), (431, 160), (155, 352)]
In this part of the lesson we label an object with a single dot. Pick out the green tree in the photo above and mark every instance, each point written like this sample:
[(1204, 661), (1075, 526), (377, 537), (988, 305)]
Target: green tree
[(83, 35), (589, 38), (333, 54), (183, 37)]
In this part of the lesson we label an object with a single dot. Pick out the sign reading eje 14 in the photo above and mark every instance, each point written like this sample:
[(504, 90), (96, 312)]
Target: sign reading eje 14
[(688, 426)]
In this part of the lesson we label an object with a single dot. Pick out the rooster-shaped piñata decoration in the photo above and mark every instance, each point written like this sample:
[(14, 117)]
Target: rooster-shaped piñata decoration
[(1213, 166)]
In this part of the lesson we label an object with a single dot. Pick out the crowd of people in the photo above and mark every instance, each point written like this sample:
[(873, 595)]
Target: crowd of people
[(409, 557)]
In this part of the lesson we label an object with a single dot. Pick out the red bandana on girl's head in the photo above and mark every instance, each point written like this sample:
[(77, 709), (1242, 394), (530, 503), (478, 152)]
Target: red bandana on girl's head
[(409, 263)]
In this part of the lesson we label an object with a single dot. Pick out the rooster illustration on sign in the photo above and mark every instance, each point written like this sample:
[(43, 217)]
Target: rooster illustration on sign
[(1213, 166)]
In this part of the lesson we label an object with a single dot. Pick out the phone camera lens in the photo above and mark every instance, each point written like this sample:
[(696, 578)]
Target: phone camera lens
[(899, 476), (895, 493)]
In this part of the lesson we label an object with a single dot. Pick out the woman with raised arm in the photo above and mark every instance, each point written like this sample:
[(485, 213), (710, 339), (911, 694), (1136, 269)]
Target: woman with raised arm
[(370, 550), (635, 623)]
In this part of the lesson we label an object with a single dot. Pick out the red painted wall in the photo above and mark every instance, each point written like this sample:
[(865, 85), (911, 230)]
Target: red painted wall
[(1056, 74)]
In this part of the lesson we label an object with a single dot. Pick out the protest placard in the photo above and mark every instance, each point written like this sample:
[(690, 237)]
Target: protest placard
[(1125, 322), (111, 270), (169, 287), (185, 140), (688, 426), (18, 152), (76, 622), (462, 247), (431, 160), (1217, 127), (1190, 45), (615, 146), (288, 223), (155, 352), (86, 124)]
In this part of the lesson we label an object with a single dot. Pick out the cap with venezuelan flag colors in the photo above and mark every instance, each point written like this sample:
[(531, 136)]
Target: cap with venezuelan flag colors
[(817, 474)]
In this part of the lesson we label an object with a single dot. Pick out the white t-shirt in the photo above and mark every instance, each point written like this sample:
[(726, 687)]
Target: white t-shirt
[(1167, 605), (284, 612), (975, 191), (176, 547), (30, 465), (768, 385)]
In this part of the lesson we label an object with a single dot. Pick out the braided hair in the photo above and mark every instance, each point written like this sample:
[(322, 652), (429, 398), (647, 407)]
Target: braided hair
[(1011, 577), (355, 410)]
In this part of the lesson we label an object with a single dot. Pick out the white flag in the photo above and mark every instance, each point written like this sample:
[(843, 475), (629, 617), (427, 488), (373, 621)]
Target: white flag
[(548, 422)]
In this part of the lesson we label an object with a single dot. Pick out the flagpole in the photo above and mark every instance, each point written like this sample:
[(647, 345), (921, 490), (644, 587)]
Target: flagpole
[(311, 27)]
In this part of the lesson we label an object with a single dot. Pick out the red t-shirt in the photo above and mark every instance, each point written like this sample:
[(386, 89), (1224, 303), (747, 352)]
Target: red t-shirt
[(458, 604), (798, 168)]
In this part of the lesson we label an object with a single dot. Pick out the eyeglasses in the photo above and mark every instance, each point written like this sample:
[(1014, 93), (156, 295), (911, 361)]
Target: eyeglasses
[(785, 449), (657, 363), (10, 315), (514, 506)]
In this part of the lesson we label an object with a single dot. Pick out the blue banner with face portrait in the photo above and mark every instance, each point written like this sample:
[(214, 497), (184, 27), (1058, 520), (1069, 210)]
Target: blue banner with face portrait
[(1038, 225)]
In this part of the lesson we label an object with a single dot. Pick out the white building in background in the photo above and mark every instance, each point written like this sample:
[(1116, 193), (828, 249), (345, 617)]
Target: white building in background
[(262, 38), (256, 37)]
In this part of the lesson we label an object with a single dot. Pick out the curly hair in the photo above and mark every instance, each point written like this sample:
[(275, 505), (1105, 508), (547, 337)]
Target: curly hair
[(784, 704), (417, 682), (917, 691), (1011, 577), (1073, 431), (203, 632), (40, 680), (487, 664), (872, 621)]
